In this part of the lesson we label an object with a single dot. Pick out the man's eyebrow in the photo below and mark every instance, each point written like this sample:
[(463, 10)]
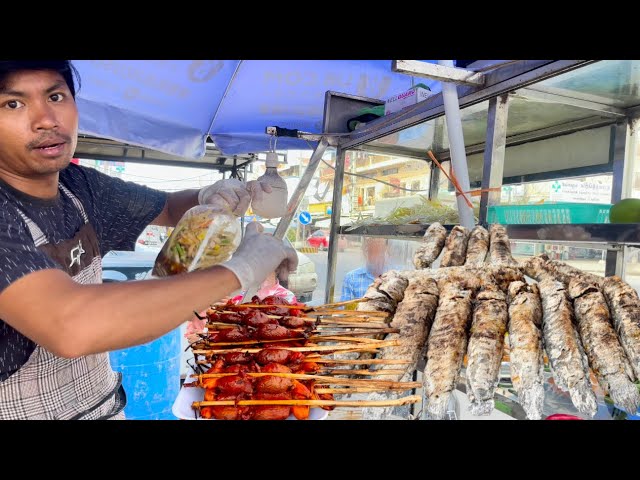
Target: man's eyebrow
[(16, 93)]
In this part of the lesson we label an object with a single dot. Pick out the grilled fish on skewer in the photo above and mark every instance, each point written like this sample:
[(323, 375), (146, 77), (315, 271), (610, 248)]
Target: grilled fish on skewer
[(384, 293), (472, 277), (536, 266), (563, 346), (433, 241), (446, 346), (478, 246), (413, 317), (455, 247), (484, 353), (526, 352), (499, 247), (604, 352), (624, 305)]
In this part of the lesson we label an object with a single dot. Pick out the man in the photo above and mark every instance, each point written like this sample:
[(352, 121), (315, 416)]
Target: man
[(56, 221), (356, 281)]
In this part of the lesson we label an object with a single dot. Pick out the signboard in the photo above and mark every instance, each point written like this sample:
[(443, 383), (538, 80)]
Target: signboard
[(305, 218), (580, 191)]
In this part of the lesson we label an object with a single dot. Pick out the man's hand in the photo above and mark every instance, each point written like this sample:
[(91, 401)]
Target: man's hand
[(258, 255), (233, 193)]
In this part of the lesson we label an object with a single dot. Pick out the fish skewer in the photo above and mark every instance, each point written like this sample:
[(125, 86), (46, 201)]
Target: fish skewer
[(432, 244), (499, 247), (539, 265), (392, 385), (455, 248), (604, 352), (564, 349), (472, 277), (624, 305), (413, 318), (312, 403), (526, 351), (478, 246), (446, 346), (484, 353)]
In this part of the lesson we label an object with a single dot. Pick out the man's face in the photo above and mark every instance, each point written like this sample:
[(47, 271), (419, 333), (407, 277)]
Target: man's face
[(375, 253), (38, 124)]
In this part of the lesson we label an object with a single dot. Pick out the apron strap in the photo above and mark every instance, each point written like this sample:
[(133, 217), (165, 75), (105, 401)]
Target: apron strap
[(75, 201), (36, 234)]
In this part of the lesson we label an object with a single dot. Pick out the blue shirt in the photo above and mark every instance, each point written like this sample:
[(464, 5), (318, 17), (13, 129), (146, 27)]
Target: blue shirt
[(357, 281), (355, 284)]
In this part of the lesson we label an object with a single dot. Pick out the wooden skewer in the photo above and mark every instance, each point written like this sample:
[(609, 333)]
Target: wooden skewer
[(315, 348), (388, 384), (349, 371), (313, 403), (377, 361), (323, 361), (350, 313), (345, 302), (347, 391), (306, 319), (343, 336), (244, 306), (327, 322)]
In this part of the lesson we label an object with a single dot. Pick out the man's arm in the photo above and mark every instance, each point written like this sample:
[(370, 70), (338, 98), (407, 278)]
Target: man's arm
[(83, 319), (177, 203), (71, 320)]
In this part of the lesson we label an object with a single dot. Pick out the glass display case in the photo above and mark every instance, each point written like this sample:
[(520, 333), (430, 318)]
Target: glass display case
[(538, 134)]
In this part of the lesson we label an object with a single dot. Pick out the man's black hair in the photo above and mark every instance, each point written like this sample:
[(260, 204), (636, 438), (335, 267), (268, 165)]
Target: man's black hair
[(63, 67)]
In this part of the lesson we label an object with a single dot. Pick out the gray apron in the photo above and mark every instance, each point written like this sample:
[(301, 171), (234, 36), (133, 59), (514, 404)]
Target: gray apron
[(48, 387)]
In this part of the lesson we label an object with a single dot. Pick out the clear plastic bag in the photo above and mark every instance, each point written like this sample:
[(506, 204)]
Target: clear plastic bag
[(204, 236)]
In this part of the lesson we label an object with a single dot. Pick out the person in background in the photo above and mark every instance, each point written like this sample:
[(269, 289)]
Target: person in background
[(356, 282), (57, 219)]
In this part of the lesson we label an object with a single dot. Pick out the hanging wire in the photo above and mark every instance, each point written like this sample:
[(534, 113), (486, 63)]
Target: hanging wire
[(367, 177)]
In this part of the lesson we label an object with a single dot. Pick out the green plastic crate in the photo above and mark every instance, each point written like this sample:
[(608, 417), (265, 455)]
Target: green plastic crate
[(557, 213)]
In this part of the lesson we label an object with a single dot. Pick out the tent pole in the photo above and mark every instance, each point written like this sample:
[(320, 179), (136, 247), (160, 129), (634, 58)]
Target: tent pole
[(298, 193), (336, 209), (456, 145)]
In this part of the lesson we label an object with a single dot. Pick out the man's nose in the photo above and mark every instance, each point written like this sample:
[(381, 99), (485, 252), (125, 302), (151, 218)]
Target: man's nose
[(43, 116)]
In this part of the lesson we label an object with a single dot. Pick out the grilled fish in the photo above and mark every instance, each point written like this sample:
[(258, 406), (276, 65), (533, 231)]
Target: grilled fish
[(446, 346), (526, 351), (413, 317), (486, 343), (563, 346), (604, 352), (499, 247), (536, 267), (624, 305), (455, 248), (478, 246), (432, 243)]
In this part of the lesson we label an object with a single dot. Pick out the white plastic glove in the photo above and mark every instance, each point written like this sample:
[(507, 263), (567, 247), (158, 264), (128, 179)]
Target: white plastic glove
[(233, 194), (260, 254)]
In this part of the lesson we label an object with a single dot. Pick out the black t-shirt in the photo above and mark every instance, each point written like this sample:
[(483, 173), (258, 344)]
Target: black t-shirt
[(119, 211)]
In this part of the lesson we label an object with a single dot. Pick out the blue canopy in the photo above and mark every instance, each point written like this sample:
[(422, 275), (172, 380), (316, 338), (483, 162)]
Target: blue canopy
[(173, 105)]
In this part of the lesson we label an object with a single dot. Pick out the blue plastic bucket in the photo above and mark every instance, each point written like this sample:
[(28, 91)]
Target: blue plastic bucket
[(150, 376)]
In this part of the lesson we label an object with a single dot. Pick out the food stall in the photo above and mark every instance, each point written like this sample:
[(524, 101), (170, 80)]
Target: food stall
[(530, 122), (537, 135)]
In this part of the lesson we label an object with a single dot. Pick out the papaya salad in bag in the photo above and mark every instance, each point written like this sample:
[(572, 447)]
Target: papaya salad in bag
[(204, 236)]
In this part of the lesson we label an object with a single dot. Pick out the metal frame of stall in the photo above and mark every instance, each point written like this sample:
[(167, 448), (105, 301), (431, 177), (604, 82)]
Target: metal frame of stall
[(514, 79)]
